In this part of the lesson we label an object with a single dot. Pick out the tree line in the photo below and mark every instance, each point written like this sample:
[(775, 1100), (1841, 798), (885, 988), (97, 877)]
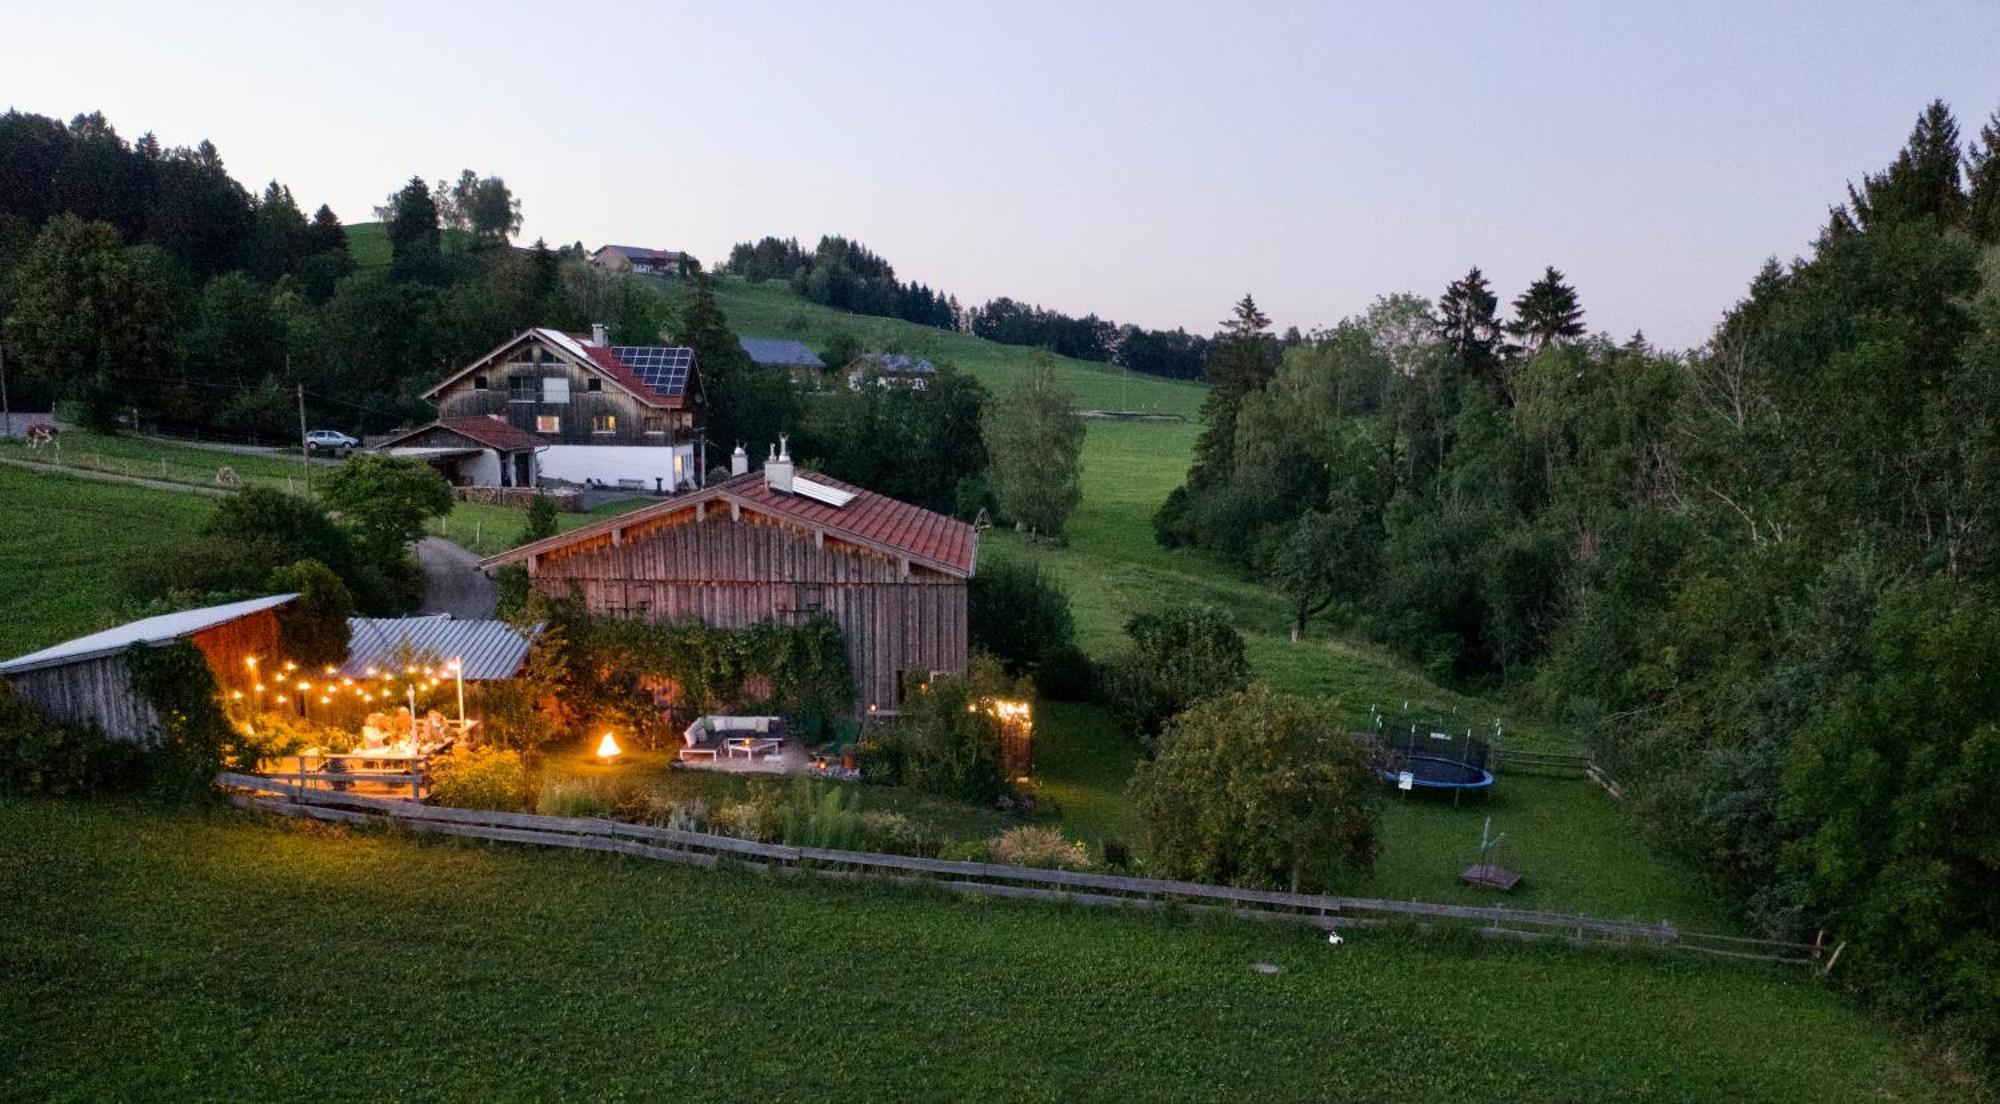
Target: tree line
[(1760, 576)]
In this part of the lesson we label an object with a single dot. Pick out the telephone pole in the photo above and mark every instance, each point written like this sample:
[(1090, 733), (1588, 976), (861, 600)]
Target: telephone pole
[(6, 412), (305, 447)]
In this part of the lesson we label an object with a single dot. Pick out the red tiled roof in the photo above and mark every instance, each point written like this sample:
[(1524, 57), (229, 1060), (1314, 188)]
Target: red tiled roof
[(944, 543), (879, 519), (492, 432)]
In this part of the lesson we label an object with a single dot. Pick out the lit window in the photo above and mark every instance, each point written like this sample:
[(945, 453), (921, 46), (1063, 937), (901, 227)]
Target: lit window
[(548, 423), (555, 389), (604, 423)]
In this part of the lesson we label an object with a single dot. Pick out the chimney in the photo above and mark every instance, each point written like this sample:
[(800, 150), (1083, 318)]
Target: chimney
[(739, 462), (778, 468), (598, 336)]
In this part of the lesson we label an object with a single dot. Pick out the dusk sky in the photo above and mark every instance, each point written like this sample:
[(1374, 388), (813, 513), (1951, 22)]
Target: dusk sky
[(1149, 163)]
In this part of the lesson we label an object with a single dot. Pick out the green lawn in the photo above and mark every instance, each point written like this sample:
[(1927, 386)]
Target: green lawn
[(64, 544), (770, 309), (161, 955), (164, 459), (368, 243), (490, 529)]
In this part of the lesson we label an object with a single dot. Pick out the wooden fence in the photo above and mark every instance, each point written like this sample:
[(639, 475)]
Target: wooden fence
[(1560, 764), (993, 879)]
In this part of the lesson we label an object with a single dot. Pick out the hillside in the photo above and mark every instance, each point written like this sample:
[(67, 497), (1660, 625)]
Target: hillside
[(770, 309), (368, 243)]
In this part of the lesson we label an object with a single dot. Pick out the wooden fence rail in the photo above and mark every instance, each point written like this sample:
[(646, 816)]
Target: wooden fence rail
[(990, 879)]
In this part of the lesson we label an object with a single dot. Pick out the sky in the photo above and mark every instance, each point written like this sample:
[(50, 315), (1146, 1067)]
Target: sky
[(1147, 162)]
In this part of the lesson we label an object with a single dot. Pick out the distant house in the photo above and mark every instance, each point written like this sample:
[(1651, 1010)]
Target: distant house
[(791, 357), (785, 546), (485, 650), (621, 415), (483, 451), (890, 370), (633, 258), (86, 681)]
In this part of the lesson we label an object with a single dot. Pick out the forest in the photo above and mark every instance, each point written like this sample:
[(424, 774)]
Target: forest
[(1759, 577)]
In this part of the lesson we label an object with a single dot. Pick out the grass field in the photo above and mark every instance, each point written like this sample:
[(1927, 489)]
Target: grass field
[(64, 544), (489, 529), (769, 309), (164, 460), (163, 955), (368, 243)]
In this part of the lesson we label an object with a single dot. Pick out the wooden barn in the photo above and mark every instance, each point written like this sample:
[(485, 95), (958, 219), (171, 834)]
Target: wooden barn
[(779, 545), (86, 682)]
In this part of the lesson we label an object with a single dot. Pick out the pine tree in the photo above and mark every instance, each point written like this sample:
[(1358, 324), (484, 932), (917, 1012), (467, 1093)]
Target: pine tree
[(1241, 361), (1469, 326), (1923, 181), (328, 235), (415, 240), (1982, 163), (1547, 313)]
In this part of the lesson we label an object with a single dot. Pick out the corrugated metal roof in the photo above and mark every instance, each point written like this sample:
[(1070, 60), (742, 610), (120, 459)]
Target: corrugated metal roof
[(151, 631), (487, 649), (776, 352)]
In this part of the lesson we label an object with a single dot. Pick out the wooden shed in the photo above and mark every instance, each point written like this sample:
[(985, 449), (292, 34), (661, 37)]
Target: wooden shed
[(779, 546), (86, 682)]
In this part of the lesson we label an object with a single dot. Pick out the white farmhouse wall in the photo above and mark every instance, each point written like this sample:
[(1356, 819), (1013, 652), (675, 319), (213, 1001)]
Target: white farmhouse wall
[(611, 463)]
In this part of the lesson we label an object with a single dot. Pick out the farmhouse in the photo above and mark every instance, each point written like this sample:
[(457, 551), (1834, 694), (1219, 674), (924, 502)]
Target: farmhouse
[(633, 258), (86, 681), (485, 451), (780, 545), (790, 357), (625, 415), (890, 370)]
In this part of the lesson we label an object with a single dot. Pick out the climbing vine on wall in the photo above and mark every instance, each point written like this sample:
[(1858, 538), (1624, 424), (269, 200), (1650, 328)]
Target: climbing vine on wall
[(194, 736)]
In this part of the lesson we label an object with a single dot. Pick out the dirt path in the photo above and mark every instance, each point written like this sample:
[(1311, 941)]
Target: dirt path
[(453, 583)]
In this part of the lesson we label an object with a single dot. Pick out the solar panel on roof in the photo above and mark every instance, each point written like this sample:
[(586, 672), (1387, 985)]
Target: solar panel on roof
[(820, 492), (664, 368)]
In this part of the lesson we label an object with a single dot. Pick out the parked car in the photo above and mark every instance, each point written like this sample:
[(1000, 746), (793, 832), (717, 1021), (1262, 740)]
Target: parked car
[(332, 439)]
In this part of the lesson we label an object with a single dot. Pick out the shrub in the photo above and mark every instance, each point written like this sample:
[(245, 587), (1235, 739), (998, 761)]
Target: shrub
[(510, 717), (541, 519), (881, 755), (480, 778), (41, 757), (312, 629), (896, 834), (1029, 845), (575, 797), (1020, 615), (1179, 655), (819, 817), (194, 739), (952, 747), (966, 851), (1260, 789), (760, 816)]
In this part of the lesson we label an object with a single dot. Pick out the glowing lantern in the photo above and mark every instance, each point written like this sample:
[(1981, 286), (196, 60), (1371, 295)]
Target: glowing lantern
[(608, 749)]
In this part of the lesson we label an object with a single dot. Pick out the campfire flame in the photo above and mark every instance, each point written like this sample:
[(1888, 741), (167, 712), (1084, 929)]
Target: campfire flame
[(608, 748)]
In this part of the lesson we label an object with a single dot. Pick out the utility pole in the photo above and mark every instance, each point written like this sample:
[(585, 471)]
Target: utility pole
[(305, 449), (6, 412)]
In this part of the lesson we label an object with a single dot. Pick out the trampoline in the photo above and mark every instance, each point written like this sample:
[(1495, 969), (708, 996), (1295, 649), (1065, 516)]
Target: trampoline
[(1421, 759)]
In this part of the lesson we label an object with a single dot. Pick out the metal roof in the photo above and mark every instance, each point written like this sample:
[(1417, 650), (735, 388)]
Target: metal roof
[(150, 631), (486, 649), (897, 364), (777, 352)]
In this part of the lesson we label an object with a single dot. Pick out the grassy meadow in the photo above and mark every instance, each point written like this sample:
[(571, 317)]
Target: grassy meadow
[(153, 954)]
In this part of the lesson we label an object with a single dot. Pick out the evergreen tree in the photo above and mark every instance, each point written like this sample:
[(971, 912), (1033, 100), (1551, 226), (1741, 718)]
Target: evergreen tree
[(326, 233), (1548, 312), (1982, 162), (1923, 181), (744, 405), (415, 239), (1468, 324), (1241, 360)]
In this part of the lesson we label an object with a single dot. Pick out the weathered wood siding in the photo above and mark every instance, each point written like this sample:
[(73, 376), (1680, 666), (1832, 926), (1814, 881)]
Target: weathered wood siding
[(90, 692), (100, 692), (464, 398), (734, 571)]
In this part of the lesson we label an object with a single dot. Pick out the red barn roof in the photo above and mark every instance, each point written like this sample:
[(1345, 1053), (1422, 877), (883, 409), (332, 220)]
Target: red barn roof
[(942, 543)]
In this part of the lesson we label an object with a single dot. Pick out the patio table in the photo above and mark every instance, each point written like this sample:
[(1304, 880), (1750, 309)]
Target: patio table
[(750, 746)]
